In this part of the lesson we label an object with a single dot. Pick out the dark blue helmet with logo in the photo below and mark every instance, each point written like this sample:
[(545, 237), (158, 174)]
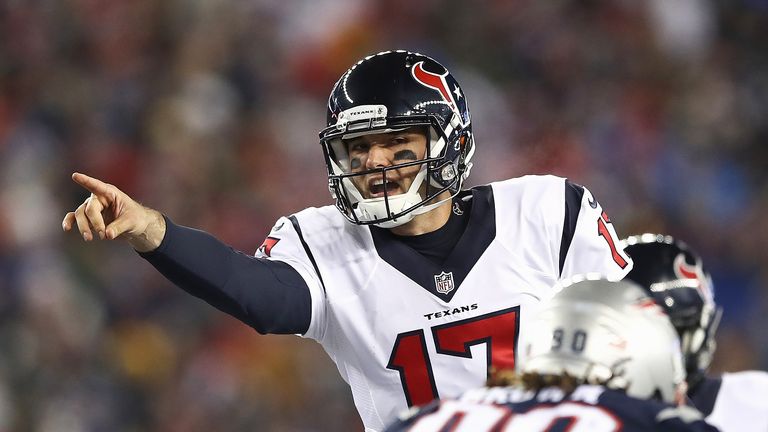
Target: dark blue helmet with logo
[(388, 92), (674, 275)]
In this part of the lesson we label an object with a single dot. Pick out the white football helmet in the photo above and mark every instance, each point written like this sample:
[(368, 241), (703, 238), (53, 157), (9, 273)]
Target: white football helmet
[(607, 332)]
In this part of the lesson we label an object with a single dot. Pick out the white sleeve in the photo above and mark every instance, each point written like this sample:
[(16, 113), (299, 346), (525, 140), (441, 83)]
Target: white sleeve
[(594, 245), (286, 244), (742, 402)]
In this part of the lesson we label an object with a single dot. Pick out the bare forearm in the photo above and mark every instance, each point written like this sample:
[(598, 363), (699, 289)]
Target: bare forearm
[(152, 236)]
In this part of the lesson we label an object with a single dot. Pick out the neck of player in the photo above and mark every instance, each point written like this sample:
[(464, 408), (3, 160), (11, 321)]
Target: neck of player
[(429, 221)]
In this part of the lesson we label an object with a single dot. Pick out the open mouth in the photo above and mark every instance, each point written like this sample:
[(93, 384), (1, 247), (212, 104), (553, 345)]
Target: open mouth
[(378, 188)]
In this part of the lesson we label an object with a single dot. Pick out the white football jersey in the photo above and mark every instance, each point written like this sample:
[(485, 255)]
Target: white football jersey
[(742, 402), (404, 330)]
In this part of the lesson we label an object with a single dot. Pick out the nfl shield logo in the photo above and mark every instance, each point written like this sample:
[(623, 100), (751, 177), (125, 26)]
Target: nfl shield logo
[(444, 282)]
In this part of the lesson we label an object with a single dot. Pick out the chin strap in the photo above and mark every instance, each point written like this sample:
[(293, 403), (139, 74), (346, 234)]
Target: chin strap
[(402, 220), (430, 207)]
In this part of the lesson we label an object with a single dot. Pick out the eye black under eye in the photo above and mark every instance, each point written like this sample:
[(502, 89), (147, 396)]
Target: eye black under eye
[(405, 155)]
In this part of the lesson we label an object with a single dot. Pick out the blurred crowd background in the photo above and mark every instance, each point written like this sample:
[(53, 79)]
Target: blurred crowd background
[(209, 111)]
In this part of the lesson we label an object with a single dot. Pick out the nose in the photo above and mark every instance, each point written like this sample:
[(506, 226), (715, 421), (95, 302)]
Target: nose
[(378, 156)]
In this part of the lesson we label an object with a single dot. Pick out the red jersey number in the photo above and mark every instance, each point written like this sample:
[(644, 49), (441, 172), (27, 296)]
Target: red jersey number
[(499, 330)]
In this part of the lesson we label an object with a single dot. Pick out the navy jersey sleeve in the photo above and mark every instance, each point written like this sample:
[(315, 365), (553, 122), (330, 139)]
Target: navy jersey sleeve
[(269, 296), (704, 395)]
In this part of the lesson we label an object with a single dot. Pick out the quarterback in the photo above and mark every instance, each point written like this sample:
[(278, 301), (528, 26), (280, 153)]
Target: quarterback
[(415, 286)]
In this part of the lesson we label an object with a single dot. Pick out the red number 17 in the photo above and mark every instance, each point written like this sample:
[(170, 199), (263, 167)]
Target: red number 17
[(499, 330)]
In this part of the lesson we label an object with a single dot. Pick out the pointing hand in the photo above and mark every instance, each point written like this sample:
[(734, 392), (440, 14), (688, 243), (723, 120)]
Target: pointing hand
[(109, 213)]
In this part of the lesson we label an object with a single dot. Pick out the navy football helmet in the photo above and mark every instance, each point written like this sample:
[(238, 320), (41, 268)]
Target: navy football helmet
[(675, 277), (388, 92)]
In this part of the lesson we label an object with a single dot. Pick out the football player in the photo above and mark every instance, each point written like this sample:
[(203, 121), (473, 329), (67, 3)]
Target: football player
[(674, 275), (587, 366), (407, 280)]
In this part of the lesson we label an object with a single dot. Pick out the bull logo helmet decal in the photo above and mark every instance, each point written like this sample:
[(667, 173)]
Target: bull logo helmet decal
[(445, 85), (683, 270)]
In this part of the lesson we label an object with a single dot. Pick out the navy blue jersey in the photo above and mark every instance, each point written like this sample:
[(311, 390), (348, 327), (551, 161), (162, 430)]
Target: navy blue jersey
[(588, 408)]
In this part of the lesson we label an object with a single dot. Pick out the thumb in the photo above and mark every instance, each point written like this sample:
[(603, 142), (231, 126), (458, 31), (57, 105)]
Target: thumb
[(118, 227), (143, 230)]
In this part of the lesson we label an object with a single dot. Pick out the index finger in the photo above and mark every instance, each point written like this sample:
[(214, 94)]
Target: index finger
[(94, 185)]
